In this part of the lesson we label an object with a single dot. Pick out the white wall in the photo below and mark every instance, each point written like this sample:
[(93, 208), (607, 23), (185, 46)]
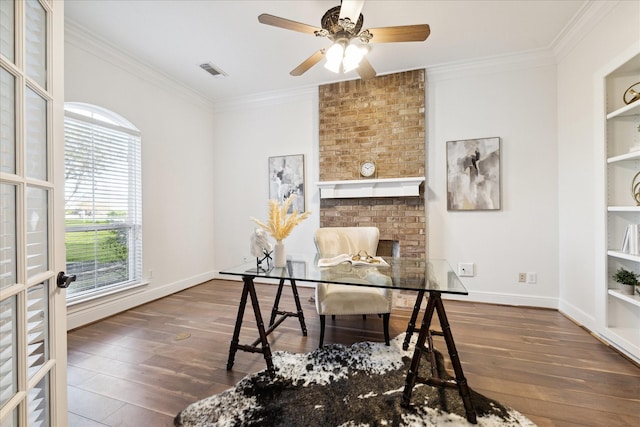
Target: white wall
[(513, 98), (177, 170), (580, 161), (247, 134)]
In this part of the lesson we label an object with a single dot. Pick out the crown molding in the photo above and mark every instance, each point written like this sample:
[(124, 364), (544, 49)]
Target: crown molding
[(491, 65), (579, 26), (82, 38), (266, 99)]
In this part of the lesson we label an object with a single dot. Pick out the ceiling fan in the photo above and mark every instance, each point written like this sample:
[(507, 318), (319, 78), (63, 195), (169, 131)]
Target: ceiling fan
[(343, 26)]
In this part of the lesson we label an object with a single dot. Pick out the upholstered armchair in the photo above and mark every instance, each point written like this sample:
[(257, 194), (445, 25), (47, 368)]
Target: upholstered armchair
[(334, 299)]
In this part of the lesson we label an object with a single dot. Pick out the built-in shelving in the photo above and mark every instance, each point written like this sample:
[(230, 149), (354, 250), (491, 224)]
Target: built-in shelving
[(620, 318), (364, 188)]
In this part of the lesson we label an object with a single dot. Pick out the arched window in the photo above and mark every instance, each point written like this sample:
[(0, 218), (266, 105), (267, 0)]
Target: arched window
[(103, 201)]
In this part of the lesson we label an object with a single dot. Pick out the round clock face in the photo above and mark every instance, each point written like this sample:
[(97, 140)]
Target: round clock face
[(367, 168)]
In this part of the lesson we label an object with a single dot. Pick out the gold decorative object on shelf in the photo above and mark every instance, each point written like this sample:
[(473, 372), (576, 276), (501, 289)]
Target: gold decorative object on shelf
[(635, 188), (633, 94)]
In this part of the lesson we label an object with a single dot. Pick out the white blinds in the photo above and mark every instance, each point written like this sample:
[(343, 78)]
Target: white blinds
[(102, 204)]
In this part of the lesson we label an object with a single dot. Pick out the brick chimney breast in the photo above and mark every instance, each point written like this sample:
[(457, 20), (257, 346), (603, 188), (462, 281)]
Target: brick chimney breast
[(382, 119)]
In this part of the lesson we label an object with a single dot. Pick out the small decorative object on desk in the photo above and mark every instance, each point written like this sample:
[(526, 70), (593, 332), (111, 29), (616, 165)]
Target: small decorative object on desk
[(280, 226), (361, 258), (628, 280), (261, 248), (631, 95)]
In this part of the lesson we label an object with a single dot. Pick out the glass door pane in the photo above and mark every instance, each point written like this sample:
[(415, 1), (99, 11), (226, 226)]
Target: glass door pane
[(36, 41), (37, 229), (7, 121), (11, 420), (39, 404), (7, 29), (8, 350), (37, 327), (8, 243), (36, 135)]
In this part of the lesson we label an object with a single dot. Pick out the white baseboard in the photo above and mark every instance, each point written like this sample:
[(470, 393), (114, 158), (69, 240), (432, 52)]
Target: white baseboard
[(506, 299), (578, 316), (100, 308), (406, 299)]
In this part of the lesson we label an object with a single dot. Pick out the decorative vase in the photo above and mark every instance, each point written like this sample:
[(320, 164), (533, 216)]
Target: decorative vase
[(279, 255), (627, 289)]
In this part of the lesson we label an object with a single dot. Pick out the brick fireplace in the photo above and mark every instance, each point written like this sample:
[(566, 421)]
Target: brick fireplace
[(382, 119)]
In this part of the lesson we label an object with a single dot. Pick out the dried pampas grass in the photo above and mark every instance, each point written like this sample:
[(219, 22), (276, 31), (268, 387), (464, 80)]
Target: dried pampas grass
[(280, 225)]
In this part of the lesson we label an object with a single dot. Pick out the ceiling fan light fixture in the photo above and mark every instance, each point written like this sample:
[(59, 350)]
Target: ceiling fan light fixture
[(334, 56), (344, 24), (352, 57)]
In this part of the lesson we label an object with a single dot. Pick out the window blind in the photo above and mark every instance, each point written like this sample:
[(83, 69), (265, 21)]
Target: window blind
[(102, 204)]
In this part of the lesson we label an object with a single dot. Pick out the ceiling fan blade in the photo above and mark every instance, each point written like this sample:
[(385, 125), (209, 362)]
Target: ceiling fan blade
[(308, 63), (287, 24), (403, 33), (351, 9), (365, 70)]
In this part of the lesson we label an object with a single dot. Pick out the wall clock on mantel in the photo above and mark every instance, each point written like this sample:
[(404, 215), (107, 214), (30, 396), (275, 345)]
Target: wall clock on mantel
[(367, 169)]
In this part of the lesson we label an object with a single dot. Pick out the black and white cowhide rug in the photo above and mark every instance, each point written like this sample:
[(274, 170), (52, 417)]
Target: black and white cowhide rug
[(359, 385)]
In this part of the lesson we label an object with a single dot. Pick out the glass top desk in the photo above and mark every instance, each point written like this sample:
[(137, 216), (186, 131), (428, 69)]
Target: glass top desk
[(433, 277)]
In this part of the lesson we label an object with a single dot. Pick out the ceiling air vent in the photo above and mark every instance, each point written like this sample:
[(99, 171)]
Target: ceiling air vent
[(211, 69)]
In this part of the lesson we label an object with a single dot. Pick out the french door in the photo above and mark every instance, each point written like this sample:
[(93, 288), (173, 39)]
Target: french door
[(32, 307)]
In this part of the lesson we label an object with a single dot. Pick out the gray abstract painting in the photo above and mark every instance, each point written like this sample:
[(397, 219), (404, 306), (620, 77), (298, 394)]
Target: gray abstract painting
[(473, 174), (286, 178)]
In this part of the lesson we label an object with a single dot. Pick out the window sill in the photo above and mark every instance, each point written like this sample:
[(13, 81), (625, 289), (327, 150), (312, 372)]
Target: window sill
[(92, 296)]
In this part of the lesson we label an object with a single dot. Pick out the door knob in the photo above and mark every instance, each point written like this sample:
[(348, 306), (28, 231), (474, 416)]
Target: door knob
[(65, 280)]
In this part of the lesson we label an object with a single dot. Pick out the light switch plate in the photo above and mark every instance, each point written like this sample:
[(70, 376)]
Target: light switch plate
[(466, 269)]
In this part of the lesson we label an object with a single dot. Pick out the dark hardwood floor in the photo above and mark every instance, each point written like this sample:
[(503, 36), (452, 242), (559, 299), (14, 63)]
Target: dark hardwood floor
[(142, 366)]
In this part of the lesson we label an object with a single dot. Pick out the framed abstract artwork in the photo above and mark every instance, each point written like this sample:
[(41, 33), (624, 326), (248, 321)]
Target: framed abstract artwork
[(473, 174), (286, 178)]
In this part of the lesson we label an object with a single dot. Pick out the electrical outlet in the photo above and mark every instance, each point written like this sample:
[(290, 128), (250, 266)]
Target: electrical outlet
[(532, 277), (522, 277), (465, 269)]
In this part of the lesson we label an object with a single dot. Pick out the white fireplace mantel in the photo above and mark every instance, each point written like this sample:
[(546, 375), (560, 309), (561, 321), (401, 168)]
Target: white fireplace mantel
[(363, 188)]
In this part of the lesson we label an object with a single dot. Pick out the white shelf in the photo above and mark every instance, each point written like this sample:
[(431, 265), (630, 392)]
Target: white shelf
[(365, 188), (632, 299), (632, 109), (624, 255), (634, 155), (623, 208)]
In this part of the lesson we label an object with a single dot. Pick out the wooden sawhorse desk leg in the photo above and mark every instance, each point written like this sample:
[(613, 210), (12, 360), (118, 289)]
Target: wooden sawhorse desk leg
[(275, 312), (261, 345), (411, 328), (435, 305), (249, 289)]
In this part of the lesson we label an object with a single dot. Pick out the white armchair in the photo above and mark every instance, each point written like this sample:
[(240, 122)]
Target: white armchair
[(334, 299)]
